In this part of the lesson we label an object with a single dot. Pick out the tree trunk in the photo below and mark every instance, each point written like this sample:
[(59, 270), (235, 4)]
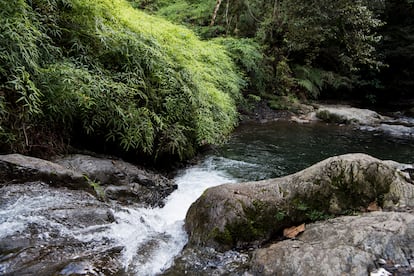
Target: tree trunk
[(275, 8), (216, 8)]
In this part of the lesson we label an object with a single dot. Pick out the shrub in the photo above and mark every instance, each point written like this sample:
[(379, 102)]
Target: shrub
[(115, 73)]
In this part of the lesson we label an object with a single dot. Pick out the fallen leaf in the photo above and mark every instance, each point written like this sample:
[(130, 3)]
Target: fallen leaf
[(293, 231), (373, 206)]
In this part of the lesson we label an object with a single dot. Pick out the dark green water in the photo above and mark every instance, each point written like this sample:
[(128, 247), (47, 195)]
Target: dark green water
[(144, 241), (259, 151)]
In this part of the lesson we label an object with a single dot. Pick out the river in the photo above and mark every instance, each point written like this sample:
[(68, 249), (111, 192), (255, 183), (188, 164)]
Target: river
[(149, 238), (254, 152)]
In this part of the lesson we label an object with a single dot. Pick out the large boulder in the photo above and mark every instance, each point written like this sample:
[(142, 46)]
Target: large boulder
[(120, 180), (348, 115), (17, 168), (251, 213), (348, 245), (107, 178)]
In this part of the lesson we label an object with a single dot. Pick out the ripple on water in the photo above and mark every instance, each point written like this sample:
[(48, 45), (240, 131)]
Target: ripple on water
[(69, 231)]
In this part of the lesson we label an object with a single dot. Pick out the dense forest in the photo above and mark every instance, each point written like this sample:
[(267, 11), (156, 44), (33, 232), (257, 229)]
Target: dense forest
[(157, 79)]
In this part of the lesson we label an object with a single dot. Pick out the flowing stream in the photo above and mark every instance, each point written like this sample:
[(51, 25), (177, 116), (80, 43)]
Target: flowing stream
[(158, 234), (144, 241), (254, 152)]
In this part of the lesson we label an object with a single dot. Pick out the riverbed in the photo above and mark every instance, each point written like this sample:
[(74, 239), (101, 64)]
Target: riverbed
[(145, 241)]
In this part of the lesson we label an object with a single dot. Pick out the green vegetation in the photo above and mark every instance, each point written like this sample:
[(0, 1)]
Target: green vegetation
[(195, 14), (115, 74), (96, 185), (104, 70), (313, 49)]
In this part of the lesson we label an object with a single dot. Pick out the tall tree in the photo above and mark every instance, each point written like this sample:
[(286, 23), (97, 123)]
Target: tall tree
[(335, 37), (216, 9)]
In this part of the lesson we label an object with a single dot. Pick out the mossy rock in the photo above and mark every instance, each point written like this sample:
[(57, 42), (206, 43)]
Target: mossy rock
[(331, 117), (341, 114), (249, 214)]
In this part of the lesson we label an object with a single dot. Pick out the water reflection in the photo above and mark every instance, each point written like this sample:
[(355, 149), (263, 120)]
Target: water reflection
[(280, 148)]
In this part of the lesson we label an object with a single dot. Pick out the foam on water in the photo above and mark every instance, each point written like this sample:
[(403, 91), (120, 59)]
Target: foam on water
[(17, 215), (153, 237), (150, 237)]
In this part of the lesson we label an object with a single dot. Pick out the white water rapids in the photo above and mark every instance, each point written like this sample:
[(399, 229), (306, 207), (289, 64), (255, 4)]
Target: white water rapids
[(149, 238), (64, 232), (153, 237)]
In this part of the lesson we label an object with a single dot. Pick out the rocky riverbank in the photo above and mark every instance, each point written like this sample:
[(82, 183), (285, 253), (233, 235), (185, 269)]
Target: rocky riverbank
[(70, 215), (397, 124), (108, 179), (57, 218), (252, 216)]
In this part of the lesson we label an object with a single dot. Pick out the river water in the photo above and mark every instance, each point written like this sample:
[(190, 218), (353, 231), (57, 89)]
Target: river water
[(276, 149), (158, 234), (254, 152), (149, 238)]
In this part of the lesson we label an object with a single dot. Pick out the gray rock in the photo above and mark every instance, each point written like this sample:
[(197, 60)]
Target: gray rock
[(249, 214), (106, 178), (348, 115), (365, 119), (397, 130), (122, 181), (55, 231), (349, 245), (112, 171), (17, 168), (205, 261)]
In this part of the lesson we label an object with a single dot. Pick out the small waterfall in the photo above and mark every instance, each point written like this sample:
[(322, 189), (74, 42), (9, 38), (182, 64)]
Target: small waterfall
[(58, 231), (82, 231), (153, 237)]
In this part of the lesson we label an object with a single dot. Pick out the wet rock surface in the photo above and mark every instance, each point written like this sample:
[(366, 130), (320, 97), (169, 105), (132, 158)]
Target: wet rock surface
[(120, 180), (362, 244), (398, 124), (115, 179), (17, 168), (207, 261), (349, 245), (57, 218), (249, 214), (395, 125), (55, 231), (349, 115)]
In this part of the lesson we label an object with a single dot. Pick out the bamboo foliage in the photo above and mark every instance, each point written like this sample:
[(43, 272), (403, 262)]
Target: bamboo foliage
[(115, 73)]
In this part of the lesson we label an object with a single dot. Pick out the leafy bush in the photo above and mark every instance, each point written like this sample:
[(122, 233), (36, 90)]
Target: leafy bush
[(332, 42), (337, 39), (112, 72), (248, 56), (195, 14), (314, 80)]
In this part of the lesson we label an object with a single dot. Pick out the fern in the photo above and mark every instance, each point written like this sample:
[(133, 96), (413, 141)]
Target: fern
[(315, 80)]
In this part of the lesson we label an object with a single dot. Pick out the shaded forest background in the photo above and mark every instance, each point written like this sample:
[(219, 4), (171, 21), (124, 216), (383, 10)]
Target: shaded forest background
[(331, 49), (158, 79)]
